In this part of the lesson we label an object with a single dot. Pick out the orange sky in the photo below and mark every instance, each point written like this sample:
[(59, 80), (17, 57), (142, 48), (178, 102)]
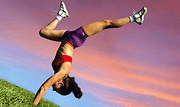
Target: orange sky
[(133, 66)]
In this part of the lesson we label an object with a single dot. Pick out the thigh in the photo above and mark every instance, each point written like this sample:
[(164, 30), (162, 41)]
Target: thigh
[(55, 35), (96, 27)]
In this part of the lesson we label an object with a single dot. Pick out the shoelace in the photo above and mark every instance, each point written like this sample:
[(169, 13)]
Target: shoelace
[(134, 11), (140, 12), (62, 9)]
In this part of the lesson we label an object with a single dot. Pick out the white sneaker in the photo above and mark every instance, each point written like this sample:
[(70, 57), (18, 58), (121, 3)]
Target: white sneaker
[(63, 11), (139, 16)]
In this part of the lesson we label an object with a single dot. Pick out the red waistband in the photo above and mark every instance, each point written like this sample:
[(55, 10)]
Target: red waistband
[(69, 44)]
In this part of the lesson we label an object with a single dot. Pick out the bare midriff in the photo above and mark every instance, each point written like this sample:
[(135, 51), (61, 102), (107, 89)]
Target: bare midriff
[(66, 49)]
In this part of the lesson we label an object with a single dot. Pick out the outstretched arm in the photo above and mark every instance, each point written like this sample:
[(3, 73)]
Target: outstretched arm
[(45, 86), (65, 69), (43, 89)]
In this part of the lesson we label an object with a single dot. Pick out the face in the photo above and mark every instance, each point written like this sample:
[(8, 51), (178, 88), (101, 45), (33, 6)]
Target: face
[(57, 85)]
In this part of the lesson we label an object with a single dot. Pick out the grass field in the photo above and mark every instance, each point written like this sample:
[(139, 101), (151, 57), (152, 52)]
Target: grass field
[(14, 96)]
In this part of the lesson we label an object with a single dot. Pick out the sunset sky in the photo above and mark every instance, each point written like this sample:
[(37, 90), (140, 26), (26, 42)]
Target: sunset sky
[(132, 66)]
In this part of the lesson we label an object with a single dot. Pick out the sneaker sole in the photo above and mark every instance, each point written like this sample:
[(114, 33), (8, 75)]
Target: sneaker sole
[(145, 8), (65, 8)]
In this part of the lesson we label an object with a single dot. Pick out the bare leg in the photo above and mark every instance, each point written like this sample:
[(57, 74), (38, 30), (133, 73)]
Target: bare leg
[(48, 31), (96, 27)]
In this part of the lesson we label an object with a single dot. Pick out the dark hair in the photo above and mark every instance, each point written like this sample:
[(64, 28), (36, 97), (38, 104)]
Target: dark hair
[(70, 86)]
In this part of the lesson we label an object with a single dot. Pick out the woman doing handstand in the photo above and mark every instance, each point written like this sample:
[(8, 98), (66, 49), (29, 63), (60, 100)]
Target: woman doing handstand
[(73, 39)]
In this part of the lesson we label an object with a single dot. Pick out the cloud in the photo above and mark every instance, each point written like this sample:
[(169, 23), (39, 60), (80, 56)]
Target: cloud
[(107, 63), (121, 100), (130, 87), (126, 75), (128, 103)]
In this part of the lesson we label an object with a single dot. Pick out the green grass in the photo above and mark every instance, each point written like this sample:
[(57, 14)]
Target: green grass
[(14, 96)]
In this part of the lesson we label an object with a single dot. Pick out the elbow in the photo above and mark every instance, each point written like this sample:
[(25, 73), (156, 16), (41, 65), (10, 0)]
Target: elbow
[(43, 88)]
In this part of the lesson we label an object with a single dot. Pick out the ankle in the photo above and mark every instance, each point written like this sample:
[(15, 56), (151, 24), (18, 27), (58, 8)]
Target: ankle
[(131, 18), (58, 18)]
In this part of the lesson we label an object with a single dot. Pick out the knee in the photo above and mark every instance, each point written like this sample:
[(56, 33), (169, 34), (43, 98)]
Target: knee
[(107, 22), (42, 32)]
